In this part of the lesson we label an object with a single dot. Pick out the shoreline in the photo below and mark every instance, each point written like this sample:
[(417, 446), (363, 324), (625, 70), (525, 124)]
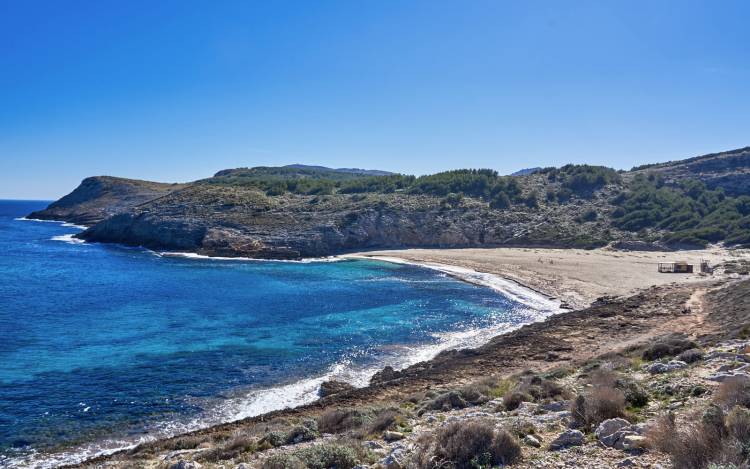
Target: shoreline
[(301, 392), (565, 340), (512, 288), (575, 277)]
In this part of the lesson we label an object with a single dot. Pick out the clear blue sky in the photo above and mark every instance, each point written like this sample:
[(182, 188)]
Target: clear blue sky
[(176, 90)]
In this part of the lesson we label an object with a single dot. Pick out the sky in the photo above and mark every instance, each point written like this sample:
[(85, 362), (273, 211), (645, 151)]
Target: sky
[(176, 90)]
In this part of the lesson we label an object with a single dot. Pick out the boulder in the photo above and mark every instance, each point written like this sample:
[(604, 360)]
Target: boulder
[(557, 406), (183, 464), (607, 431), (393, 436), (725, 375), (395, 459), (567, 438), (333, 387), (373, 445), (658, 367), (632, 442), (527, 408), (531, 440)]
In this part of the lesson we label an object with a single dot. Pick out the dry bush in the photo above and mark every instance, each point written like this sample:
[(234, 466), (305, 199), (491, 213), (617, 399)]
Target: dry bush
[(340, 420), (446, 401), (183, 442), (732, 392), (532, 388), (599, 404), (712, 441), (230, 449), (691, 445), (385, 419), (738, 424), (513, 399), (691, 355), (468, 444), (668, 347), (340, 455)]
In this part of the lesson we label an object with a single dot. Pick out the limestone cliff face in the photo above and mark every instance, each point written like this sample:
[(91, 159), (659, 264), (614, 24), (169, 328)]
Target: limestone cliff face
[(242, 213), (230, 222), (99, 197)]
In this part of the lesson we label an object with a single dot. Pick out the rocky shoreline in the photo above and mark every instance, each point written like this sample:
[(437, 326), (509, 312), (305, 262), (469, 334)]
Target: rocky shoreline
[(459, 387)]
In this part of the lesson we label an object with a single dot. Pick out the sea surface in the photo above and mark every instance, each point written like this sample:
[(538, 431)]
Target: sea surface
[(104, 346)]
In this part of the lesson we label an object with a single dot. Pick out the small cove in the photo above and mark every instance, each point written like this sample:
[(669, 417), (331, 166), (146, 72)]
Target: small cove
[(106, 346)]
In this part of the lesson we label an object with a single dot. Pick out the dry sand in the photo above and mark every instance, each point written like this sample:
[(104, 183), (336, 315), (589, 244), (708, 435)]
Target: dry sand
[(575, 276)]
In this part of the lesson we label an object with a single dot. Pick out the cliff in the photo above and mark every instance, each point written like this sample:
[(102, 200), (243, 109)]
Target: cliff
[(301, 211), (100, 197)]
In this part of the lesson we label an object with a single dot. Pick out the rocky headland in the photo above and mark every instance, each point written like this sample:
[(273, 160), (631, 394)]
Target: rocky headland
[(299, 211)]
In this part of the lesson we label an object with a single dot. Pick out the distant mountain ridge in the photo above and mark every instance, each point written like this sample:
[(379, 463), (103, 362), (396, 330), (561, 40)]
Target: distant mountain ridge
[(526, 171), (363, 172), (299, 211)]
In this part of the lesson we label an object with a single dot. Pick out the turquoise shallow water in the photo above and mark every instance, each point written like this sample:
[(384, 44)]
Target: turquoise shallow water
[(104, 346)]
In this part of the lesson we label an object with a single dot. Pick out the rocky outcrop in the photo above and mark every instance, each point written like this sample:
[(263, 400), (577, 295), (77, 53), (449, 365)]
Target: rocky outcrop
[(100, 197), (231, 222)]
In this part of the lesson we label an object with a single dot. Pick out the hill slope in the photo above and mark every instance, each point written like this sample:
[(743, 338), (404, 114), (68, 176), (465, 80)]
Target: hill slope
[(100, 197), (301, 211)]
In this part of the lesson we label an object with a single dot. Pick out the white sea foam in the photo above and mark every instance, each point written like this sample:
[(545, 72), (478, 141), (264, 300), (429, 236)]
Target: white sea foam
[(61, 222), (68, 238), (192, 255), (509, 288), (260, 401)]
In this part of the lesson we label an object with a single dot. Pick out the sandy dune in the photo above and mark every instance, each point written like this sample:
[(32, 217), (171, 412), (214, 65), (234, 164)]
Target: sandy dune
[(575, 276)]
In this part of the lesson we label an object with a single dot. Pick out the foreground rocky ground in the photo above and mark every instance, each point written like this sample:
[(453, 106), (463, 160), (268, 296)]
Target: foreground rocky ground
[(659, 379)]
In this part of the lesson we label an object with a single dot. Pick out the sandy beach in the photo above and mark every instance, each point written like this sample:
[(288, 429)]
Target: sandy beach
[(577, 277)]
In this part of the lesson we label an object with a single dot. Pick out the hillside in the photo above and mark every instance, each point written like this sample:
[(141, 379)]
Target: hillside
[(304, 211), (100, 197), (729, 170)]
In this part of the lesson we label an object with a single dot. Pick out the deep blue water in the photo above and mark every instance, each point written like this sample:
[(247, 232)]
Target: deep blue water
[(103, 343)]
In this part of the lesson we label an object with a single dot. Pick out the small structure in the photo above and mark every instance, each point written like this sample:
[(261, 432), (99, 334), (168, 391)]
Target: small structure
[(706, 267), (679, 267)]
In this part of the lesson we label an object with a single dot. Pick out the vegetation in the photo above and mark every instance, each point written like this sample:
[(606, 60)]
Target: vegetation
[(339, 455), (467, 445), (692, 213), (582, 179)]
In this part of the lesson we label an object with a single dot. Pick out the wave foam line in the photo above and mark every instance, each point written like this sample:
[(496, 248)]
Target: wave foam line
[(61, 222), (260, 401), (509, 288), (68, 238), (192, 255)]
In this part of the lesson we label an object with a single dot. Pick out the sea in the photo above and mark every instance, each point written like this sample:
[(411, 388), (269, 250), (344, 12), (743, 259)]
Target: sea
[(104, 346)]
